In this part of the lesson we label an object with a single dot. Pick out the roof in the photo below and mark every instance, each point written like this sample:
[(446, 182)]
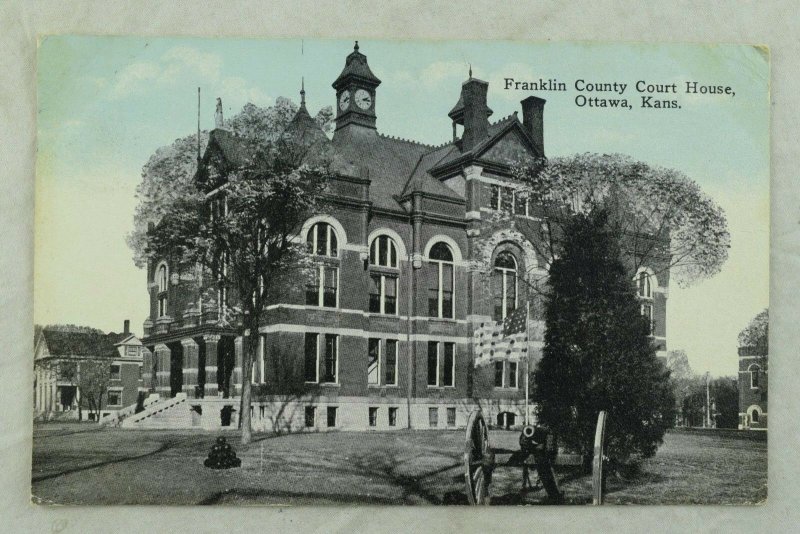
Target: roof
[(389, 161), (356, 66), (232, 146), (395, 167), (84, 344), (304, 129)]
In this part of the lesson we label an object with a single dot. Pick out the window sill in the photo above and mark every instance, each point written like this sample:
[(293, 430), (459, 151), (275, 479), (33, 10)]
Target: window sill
[(445, 320)]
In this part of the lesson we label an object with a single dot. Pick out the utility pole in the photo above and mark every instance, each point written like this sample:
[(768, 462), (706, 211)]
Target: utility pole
[(707, 421)]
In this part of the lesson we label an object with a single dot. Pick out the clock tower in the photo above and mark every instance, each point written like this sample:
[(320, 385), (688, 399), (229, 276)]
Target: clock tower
[(355, 93)]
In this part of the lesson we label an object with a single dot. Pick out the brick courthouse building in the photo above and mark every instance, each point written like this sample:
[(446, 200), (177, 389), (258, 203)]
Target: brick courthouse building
[(383, 336)]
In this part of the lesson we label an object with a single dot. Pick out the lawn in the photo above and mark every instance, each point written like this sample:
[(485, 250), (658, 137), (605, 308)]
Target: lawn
[(82, 464)]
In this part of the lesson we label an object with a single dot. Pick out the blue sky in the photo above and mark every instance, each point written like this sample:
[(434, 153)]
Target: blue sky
[(107, 103)]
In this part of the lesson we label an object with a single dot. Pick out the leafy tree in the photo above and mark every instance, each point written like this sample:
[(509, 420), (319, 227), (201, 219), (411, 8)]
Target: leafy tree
[(168, 176), (661, 218), (725, 394), (250, 245), (755, 337), (685, 382), (92, 378), (597, 353)]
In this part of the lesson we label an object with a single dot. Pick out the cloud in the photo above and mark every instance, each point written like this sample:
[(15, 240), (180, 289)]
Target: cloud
[(176, 66)]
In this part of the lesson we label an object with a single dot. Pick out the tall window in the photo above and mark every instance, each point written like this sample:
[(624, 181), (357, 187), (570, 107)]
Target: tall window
[(440, 281), (441, 364), (322, 289), (755, 372), (311, 358), (643, 285), (506, 375), (449, 365), (373, 361), (114, 372), (162, 280), (499, 375), (433, 363), (504, 285), (644, 290), (391, 362), (331, 363), (383, 284)]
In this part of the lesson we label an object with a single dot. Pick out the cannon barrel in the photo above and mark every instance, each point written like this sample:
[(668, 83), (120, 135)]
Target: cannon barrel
[(533, 438)]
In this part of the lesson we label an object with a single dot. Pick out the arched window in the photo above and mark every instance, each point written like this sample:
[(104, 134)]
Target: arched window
[(754, 415), (322, 289), (755, 372), (162, 279), (383, 279), (643, 285), (440, 279), (321, 240), (383, 252), (504, 285)]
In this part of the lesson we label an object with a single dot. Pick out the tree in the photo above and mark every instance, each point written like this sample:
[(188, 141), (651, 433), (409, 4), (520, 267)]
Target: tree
[(92, 378), (597, 353), (685, 382), (661, 218), (168, 175), (250, 244), (755, 338), (725, 395)]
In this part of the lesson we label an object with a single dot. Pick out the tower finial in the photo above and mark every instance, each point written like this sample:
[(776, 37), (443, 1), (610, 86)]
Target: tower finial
[(356, 47), (303, 91), (470, 70)]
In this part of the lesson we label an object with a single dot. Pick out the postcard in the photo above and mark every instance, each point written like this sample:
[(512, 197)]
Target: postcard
[(329, 272)]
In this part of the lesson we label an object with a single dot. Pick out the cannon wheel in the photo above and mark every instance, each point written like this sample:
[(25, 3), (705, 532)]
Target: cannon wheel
[(478, 460), (598, 476)]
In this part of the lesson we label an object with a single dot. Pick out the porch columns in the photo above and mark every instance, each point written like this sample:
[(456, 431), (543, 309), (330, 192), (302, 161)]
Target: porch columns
[(162, 370), (191, 354), (211, 388), (237, 367)]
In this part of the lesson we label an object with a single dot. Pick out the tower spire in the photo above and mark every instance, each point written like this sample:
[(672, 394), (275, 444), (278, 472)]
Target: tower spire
[(302, 91), (470, 70), (356, 47)]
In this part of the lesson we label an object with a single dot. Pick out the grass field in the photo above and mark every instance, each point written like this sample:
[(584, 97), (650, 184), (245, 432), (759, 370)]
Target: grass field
[(82, 464)]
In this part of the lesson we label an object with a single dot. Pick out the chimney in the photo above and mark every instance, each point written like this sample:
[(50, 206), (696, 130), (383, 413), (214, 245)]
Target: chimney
[(476, 113), (533, 120), (126, 326), (218, 120)]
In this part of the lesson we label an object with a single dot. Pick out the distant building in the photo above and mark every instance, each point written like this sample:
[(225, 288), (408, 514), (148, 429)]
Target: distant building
[(753, 382), (59, 355)]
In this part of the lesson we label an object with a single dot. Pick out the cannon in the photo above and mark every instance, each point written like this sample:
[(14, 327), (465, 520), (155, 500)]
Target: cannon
[(538, 451)]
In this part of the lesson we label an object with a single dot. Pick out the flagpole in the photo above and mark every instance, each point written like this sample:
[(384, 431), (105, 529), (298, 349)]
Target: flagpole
[(527, 362)]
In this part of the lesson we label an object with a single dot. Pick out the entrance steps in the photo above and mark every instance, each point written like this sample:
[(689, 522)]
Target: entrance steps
[(162, 414)]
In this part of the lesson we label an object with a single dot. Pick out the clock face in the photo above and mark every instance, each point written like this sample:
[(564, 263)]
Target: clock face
[(344, 100), (363, 99)]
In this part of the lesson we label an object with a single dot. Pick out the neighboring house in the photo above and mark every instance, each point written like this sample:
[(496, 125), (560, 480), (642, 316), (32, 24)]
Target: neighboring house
[(753, 383), (68, 359), (382, 337)]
